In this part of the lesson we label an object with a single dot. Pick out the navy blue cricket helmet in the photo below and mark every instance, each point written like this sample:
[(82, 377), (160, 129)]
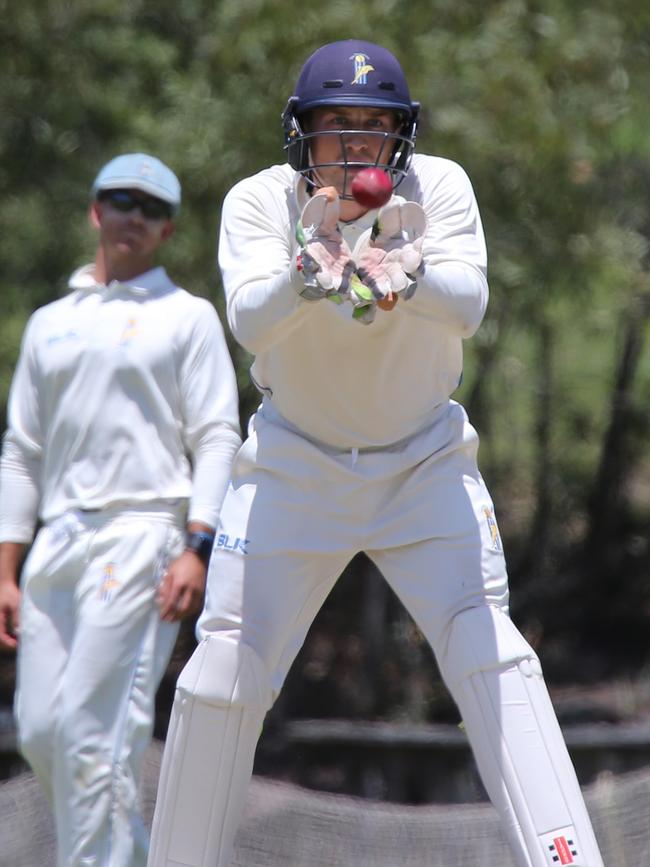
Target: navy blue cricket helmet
[(351, 73)]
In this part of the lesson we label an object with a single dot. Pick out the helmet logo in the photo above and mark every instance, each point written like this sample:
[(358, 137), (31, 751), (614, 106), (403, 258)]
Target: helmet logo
[(361, 68)]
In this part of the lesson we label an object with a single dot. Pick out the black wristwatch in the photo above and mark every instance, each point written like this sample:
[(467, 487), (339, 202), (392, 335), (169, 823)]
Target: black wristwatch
[(201, 543)]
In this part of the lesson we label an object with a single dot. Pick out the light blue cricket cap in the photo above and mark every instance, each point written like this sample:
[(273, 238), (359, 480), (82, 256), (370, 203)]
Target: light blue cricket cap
[(140, 172)]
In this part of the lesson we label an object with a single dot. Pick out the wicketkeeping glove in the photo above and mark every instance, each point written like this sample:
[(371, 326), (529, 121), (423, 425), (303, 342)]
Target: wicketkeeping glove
[(389, 257), (325, 258)]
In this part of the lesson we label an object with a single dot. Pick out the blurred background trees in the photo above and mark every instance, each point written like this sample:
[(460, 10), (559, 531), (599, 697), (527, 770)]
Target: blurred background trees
[(545, 105)]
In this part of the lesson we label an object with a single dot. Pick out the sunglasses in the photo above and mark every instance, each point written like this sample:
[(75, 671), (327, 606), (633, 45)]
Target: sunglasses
[(125, 201)]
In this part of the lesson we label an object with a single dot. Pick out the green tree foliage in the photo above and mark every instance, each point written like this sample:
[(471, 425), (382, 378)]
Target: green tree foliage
[(543, 102)]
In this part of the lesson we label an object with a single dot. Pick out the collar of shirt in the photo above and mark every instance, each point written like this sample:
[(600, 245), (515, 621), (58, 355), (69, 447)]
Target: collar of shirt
[(151, 282)]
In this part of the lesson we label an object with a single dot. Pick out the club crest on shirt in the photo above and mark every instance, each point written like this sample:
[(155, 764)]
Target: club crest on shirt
[(129, 332), (361, 68), (108, 583), (493, 528)]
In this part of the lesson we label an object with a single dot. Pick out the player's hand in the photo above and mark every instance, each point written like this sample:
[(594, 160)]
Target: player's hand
[(389, 257), (325, 258), (9, 614), (182, 589)]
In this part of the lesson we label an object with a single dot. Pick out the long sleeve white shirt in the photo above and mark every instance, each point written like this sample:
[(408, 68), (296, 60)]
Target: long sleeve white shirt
[(123, 394), (340, 382)]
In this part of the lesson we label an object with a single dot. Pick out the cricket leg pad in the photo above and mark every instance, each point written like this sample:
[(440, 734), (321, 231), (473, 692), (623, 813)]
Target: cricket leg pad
[(496, 680), (222, 697)]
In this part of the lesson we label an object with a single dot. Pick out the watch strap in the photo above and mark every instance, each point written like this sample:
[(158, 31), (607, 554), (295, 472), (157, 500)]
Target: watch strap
[(200, 542)]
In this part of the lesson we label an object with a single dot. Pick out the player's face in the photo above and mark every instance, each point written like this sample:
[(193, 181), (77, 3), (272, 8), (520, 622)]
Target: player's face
[(364, 143), (131, 224)]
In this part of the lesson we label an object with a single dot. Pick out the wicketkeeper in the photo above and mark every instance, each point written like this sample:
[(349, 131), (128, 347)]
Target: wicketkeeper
[(356, 319)]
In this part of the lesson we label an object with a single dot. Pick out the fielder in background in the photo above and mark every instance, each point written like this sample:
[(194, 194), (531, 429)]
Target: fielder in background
[(123, 423), (356, 319)]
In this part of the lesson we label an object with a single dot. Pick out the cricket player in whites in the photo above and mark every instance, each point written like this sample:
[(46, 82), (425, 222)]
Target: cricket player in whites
[(123, 423), (356, 319)]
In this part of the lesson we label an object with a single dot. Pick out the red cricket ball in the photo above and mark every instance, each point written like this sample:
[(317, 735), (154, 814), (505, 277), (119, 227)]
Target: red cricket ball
[(372, 188)]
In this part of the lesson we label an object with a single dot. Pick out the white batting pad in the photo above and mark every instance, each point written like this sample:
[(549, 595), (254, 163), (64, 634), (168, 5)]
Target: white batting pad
[(221, 699), (496, 680)]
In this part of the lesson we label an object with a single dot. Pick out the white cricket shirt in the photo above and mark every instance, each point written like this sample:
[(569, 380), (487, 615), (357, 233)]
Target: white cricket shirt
[(123, 394), (346, 384)]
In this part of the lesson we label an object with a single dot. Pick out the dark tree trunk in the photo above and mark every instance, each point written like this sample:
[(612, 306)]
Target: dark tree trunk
[(534, 561), (607, 504)]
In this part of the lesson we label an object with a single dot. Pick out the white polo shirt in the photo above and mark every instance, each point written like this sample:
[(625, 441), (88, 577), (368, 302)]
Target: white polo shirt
[(345, 384), (123, 394)]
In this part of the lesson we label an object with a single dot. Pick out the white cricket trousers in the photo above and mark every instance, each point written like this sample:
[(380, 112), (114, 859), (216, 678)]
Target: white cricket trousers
[(294, 515), (91, 654)]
